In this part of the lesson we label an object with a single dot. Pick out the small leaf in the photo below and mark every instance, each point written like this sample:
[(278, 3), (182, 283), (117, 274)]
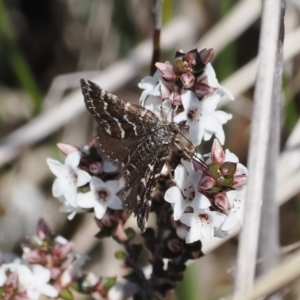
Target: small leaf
[(130, 233), (121, 255), (213, 169), (66, 294), (225, 180), (109, 282)]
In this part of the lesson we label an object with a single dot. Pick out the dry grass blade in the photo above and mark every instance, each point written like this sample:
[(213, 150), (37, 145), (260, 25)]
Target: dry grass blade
[(274, 280), (259, 140)]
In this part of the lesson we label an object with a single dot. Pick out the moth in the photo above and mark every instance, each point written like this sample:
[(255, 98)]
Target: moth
[(135, 140)]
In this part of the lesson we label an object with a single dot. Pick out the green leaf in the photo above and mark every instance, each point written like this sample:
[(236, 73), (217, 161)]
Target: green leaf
[(109, 282), (226, 180), (130, 233), (213, 169), (120, 255), (66, 294)]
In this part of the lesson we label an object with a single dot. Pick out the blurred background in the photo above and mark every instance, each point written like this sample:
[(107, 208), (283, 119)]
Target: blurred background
[(47, 46)]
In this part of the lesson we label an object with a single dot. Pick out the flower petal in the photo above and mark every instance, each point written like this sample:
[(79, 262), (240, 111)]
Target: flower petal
[(70, 193), (83, 177), (173, 194), (100, 210), (58, 187), (86, 200), (200, 201), (73, 159), (113, 185), (57, 168), (187, 219), (115, 203)]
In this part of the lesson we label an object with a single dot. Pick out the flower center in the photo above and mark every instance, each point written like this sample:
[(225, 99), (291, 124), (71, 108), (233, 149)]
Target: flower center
[(203, 218), (72, 176), (189, 193), (102, 194)]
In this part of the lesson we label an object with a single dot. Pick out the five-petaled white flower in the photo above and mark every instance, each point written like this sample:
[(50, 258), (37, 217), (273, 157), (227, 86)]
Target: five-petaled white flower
[(101, 196), (185, 192), (34, 282), (69, 177), (151, 87), (209, 77), (202, 118), (236, 212), (201, 223), (71, 210)]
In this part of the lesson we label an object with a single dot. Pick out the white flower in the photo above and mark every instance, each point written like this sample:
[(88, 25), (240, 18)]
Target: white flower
[(237, 200), (109, 167), (202, 118), (162, 109), (34, 282), (69, 209), (185, 192), (151, 87), (101, 196), (201, 223), (209, 77), (69, 177)]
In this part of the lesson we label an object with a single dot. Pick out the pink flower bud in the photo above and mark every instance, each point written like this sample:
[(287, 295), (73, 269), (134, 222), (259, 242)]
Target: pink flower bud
[(202, 89), (221, 202), (239, 181), (61, 251), (174, 245), (187, 80), (166, 71), (66, 149), (43, 229), (175, 97), (12, 280), (217, 152), (96, 168), (206, 183), (206, 55)]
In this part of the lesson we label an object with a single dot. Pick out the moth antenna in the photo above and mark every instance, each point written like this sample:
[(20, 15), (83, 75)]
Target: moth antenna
[(190, 154)]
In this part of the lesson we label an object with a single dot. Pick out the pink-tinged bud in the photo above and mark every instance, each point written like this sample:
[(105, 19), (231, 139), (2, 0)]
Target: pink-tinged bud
[(33, 256), (206, 183), (12, 281), (202, 89), (198, 166), (174, 245), (66, 149), (61, 251), (166, 71), (217, 152), (187, 80), (239, 181), (96, 168), (43, 230), (66, 277), (221, 202), (192, 57), (175, 97), (165, 90), (206, 55)]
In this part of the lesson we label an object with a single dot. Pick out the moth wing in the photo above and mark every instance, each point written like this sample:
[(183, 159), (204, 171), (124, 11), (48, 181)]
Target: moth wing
[(116, 150), (119, 118), (140, 187)]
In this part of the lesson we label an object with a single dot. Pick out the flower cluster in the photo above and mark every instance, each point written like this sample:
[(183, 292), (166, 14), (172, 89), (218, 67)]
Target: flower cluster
[(82, 167), (208, 197), (196, 196), (49, 267), (190, 83)]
